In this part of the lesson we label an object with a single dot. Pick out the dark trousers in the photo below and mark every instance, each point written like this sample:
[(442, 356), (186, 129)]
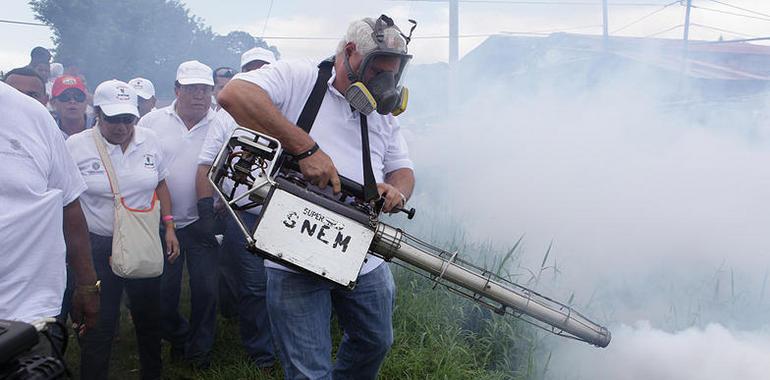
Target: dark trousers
[(144, 294), (228, 285), (252, 312), (195, 338)]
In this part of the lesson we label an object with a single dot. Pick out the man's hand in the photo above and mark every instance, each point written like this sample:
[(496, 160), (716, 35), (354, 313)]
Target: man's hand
[(320, 171), (393, 197), (85, 310), (172, 245)]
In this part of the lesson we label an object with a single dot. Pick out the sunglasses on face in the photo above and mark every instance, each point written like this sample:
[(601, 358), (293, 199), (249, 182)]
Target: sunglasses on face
[(120, 119), (71, 95)]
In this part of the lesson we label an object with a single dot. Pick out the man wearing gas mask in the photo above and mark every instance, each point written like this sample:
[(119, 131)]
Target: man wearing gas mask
[(335, 117)]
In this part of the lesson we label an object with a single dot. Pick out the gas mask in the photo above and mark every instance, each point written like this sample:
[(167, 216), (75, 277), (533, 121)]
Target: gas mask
[(381, 92)]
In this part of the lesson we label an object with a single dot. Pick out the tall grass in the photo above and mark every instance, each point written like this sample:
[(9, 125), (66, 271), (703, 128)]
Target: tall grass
[(438, 335)]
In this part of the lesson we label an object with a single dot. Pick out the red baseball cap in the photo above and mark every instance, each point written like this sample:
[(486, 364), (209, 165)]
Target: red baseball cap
[(66, 82)]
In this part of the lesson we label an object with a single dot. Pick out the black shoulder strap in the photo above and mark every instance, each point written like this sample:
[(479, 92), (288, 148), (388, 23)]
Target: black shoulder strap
[(310, 111), (313, 104)]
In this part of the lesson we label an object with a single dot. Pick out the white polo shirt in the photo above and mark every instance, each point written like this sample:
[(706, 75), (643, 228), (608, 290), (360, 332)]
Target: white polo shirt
[(336, 129), (139, 170), (38, 179), (184, 145)]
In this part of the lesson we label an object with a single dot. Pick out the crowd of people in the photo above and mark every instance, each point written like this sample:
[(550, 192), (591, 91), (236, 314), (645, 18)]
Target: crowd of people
[(81, 167)]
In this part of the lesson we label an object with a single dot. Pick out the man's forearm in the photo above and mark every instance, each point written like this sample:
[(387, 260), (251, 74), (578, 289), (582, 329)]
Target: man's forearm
[(252, 108), (203, 187), (403, 180), (78, 244)]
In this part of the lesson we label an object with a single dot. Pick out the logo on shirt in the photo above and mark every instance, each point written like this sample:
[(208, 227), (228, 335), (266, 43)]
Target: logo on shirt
[(93, 168), (149, 161)]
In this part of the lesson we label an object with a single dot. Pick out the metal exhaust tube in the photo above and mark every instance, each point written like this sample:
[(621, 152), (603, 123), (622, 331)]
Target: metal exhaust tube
[(507, 297)]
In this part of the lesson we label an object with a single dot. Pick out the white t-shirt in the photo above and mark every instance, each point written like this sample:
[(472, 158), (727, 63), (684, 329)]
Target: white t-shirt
[(38, 179), (139, 169), (184, 145), (336, 129)]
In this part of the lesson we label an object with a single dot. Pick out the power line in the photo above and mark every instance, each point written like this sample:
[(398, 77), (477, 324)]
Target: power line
[(645, 17), (542, 2), (22, 23), (730, 13), (664, 31), (740, 8), (264, 27), (722, 30), (414, 38)]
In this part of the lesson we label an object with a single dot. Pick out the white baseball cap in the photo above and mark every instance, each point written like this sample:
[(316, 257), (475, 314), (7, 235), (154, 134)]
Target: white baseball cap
[(143, 87), (257, 54), (194, 72), (115, 98)]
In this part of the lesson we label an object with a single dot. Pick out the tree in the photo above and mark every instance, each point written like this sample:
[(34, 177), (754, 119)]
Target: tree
[(106, 39)]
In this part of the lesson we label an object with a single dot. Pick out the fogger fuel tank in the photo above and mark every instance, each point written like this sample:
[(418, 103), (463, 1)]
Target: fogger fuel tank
[(328, 235)]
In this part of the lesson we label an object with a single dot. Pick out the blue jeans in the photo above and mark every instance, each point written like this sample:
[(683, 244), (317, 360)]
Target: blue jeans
[(252, 310), (144, 294), (300, 308), (195, 338)]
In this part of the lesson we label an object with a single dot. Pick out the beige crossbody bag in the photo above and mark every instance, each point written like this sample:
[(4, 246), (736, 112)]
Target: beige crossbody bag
[(136, 248)]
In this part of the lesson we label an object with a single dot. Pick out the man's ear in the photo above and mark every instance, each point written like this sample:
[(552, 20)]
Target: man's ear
[(350, 48)]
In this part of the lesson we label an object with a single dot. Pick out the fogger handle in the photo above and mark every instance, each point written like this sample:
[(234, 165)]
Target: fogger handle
[(353, 189)]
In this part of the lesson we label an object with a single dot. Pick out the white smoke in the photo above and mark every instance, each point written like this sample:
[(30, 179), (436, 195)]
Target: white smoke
[(656, 212), (641, 352)]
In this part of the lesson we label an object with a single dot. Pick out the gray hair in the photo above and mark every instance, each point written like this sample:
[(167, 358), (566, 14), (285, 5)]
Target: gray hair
[(360, 33)]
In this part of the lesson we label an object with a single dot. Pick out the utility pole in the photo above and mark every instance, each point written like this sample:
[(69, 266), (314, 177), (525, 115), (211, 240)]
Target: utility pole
[(687, 25), (454, 56), (454, 45), (686, 37), (605, 24)]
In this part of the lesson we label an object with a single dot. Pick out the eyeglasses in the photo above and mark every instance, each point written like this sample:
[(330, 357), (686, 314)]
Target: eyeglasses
[(224, 72), (125, 118), (66, 96)]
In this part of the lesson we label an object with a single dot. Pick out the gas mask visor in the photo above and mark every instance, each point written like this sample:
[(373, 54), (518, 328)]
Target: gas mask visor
[(377, 83)]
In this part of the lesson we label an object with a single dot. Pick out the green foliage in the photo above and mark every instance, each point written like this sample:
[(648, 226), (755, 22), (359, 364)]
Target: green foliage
[(108, 39)]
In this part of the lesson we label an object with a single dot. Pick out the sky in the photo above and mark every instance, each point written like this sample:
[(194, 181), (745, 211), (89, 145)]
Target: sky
[(304, 18)]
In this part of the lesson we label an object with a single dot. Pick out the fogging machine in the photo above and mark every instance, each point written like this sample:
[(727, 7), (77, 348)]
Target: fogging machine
[(328, 235)]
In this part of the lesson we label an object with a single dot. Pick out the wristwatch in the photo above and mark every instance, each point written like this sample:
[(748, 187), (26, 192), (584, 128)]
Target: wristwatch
[(90, 289)]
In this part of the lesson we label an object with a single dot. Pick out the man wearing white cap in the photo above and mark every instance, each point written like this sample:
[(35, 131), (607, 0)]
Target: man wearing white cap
[(145, 92), (182, 127), (255, 58), (241, 272), (139, 164)]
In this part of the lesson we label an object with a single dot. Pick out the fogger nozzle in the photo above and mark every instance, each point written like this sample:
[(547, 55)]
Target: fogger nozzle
[(487, 288)]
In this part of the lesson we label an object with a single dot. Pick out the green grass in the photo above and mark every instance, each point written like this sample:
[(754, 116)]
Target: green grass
[(438, 335)]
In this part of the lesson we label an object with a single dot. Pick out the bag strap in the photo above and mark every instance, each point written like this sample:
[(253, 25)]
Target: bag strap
[(106, 162), (313, 103)]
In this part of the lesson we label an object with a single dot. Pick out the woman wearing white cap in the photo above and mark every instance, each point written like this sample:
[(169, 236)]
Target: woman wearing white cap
[(119, 161)]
